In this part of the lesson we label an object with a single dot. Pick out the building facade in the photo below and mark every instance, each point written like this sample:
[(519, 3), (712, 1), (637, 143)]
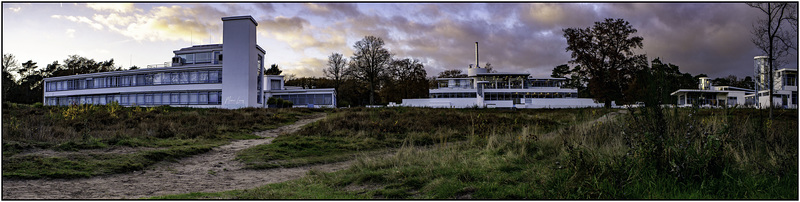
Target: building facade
[(198, 76), (784, 90), (501, 90)]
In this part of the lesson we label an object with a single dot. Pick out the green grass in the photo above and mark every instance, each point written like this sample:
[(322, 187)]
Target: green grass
[(163, 133), (679, 154), (344, 135)]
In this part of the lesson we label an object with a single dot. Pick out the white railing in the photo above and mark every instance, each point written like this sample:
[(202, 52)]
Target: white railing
[(166, 64)]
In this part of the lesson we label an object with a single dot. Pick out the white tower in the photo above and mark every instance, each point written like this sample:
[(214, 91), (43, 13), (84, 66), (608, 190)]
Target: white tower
[(240, 68)]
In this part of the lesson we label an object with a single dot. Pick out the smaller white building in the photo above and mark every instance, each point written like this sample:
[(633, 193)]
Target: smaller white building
[(300, 97), (708, 95)]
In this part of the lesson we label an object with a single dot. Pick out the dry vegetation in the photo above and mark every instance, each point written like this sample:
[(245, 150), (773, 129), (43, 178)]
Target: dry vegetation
[(153, 133)]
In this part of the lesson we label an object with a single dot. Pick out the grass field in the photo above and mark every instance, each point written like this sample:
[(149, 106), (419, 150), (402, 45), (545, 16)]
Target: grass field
[(421, 153), (538, 154), (153, 133)]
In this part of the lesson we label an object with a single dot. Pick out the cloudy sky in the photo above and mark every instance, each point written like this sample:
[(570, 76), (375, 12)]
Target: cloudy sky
[(710, 38)]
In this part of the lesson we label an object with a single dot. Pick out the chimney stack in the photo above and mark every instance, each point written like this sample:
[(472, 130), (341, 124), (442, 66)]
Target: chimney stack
[(477, 64)]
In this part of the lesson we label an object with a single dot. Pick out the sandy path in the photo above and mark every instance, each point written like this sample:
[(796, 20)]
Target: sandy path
[(213, 171)]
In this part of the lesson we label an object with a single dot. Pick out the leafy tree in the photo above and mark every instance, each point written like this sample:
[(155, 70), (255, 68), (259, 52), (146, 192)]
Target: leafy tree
[(405, 78), (273, 70), (335, 70), (605, 54), (369, 63), (772, 35), (451, 73), (574, 78)]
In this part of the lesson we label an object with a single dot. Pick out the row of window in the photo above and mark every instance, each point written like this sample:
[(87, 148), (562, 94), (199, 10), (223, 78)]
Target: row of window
[(512, 96), (454, 95), (305, 99), (160, 78), (151, 99), (198, 58)]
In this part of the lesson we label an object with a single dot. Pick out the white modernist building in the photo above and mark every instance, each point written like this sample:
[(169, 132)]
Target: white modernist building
[(784, 93), (196, 77), (501, 90), (709, 95)]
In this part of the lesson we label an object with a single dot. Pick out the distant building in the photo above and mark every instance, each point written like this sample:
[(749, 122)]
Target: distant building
[(196, 77), (784, 94), (501, 90)]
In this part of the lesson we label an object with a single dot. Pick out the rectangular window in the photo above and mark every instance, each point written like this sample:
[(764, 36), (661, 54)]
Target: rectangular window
[(175, 98), (126, 81), (193, 77), (157, 78), (217, 58), (202, 57), (140, 80), (203, 77), (184, 77), (140, 99), (187, 58), (165, 98), (184, 98), (213, 76), (175, 78), (214, 98), (193, 98), (148, 79), (148, 99), (124, 99), (275, 84), (203, 98)]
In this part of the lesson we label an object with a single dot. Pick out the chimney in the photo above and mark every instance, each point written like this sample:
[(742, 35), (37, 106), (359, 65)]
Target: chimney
[(477, 64)]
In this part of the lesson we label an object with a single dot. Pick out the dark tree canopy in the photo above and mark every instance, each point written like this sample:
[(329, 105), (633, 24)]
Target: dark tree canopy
[(605, 53), (369, 62), (29, 87), (405, 78), (273, 70), (451, 73)]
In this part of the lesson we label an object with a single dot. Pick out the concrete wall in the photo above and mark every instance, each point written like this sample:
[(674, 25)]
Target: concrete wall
[(441, 102), (560, 103), (240, 60)]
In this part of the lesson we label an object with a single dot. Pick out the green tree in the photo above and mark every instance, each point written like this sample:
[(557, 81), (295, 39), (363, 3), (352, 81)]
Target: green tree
[(605, 54), (574, 78), (273, 70), (405, 78), (369, 63)]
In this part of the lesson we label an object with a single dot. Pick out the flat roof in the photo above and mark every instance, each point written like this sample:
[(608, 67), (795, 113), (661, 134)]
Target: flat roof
[(242, 17), (502, 74), (698, 91), (450, 78)]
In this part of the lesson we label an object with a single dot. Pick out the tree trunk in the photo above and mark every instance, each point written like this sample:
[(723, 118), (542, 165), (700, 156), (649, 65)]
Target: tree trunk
[(607, 104)]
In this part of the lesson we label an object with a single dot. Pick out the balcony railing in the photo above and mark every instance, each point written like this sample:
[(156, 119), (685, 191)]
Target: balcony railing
[(166, 64)]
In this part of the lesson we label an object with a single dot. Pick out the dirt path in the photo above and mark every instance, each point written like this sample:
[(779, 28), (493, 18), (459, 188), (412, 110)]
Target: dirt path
[(213, 171)]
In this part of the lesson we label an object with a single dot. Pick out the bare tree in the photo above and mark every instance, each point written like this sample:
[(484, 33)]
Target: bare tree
[(369, 63), (335, 70), (773, 37)]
